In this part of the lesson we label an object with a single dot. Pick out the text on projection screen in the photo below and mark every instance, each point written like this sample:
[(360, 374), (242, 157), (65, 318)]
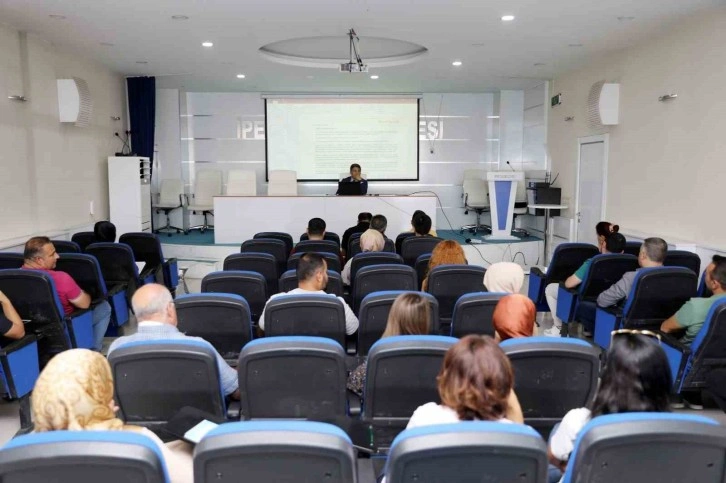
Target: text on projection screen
[(321, 138)]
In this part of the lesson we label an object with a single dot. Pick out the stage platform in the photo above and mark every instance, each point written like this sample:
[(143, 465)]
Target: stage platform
[(200, 255)]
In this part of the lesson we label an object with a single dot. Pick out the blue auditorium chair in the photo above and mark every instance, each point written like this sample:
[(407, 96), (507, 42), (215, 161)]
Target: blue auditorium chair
[(332, 259), (469, 452), (222, 319), (640, 447), (288, 281), (373, 317), (691, 364), (377, 278), (413, 247), (682, 258), (11, 260), (657, 293), (552, 376), (268, 451), (400, 377), (292, 378), (449, 282), (118, 267), (473, 314), (252, 286), (372, 258), (422, 268), (83, 239), (325, 246), (34, 297), (574, 304), (181, 373), (275, 235), (275, 247), (86, 272), (83, 456), (65, 246), (262, 263), (399, 240), (19, 369), (351, 246), (566, 259), (147, 249), (313, 315), (328, 236)]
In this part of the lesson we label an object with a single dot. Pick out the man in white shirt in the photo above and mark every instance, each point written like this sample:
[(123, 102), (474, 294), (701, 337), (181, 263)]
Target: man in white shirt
[(312, 277)]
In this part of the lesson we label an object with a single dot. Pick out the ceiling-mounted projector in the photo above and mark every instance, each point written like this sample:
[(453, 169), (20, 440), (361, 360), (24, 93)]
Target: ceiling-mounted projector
[(352, 67)]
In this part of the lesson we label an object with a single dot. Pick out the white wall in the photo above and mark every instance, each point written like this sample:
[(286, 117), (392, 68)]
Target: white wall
[(49, 172), (667, 161)]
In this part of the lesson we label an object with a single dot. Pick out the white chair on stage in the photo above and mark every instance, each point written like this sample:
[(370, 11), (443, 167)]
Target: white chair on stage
[(476, 197), (170, 199), (241, 182), (207, 185), (282, 183)]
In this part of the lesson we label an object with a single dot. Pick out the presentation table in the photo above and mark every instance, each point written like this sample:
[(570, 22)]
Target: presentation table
[(547, 209), (238, 218)]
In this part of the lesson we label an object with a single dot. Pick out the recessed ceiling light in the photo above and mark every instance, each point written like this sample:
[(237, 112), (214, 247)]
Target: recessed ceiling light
[(574, 45), (626, 19), (207, 44), (179, 17), (374, 77), (240, 76), (57, 17), (507, 18), (456, 63), (141, 62), (107, 44), (492, 117)]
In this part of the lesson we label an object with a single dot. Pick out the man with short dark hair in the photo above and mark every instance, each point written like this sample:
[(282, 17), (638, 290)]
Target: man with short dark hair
[(356, 177), (40, 255), (652, 254), (316, 229), (416, 215), (380, 223), (422, 225), (691, 316), (11, 325), (312, 278), (364, 222)]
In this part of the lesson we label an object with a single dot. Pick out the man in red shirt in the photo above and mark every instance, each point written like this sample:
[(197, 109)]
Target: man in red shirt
[(40, 255)]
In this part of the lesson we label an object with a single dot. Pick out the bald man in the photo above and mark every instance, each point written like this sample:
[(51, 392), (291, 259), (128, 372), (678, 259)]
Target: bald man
[(155, 311)]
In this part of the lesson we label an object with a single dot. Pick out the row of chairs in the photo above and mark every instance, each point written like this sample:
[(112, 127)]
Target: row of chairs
[(225, 320), (669, 447)]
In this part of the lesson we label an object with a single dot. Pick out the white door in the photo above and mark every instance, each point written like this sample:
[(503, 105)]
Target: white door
[(591, 182)]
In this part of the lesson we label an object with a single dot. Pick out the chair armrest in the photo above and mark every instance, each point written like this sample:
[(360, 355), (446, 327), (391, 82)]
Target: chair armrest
[(678, 355), (16, 345), (78, 313), (234, 408), (536, 271), (354, 403)]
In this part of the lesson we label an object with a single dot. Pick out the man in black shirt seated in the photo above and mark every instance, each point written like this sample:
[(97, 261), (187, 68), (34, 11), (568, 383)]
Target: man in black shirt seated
[(364, 222), (355, 177), (11, 325)]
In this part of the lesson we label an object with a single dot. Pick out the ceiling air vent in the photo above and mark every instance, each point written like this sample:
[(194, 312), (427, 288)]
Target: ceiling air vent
[(74, 101), (602, 104)]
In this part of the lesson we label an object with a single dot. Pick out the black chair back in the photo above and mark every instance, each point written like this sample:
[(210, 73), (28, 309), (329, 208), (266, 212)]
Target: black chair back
[(400, 238), (249, 285), (413, 247), (682, 258), (324, 246), (422, 268), (118, 265), (377, 278), (307, 315), (632, 248), (328, 236), (147, 249), (473, 314), (372, 258), (292, 378), (64, 246), (276, 235), (85, 271), (11, 260), (449, 282), (606, 270), (83, 239), (373, 318), (708, 350), (222, 319), (275, 247), (657, 294), (567, 258), (262, 263), (333, 260), (288, 282)]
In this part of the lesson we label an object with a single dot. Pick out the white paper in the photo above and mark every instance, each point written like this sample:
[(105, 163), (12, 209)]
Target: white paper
[(196, 434)]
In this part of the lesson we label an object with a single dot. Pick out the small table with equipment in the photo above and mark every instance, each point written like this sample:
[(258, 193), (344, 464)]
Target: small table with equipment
[(547, 209)]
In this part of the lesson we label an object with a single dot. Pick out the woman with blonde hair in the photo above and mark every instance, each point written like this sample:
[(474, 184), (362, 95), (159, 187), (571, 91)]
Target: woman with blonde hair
[(74, 392), (410, 315), (370, 241), (447, 252)]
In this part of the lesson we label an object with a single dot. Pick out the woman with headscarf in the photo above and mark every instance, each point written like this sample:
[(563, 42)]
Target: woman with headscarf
[(504, 277), (370, 241), (514, 317), (75, 393)]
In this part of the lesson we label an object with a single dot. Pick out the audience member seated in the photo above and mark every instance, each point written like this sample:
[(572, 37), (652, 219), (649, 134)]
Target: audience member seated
[(155, 311), (604, 229), (504, 277), (312, 277), (370, 241), (364, 222), (475, 384), (636, 378), (40, 254), (417, 215), (447, 252), (11, 325), (691, 316), (514, 317), (355, 177), (380, 223), (614, 243), (104, 231), (652, 253), (410, 315), (74, 392), (315, 230)]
